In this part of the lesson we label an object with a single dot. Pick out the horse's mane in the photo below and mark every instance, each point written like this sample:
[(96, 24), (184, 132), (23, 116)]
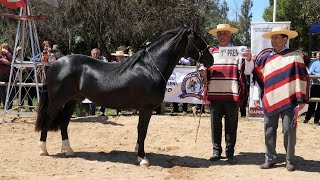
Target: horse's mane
[(177, 34)]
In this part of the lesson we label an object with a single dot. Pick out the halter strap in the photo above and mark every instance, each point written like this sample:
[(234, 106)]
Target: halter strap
[(155, 65), (190, 42)]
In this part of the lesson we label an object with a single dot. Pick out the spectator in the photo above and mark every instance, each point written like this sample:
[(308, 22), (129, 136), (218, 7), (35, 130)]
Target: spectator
[(280, 97), (315, 92), (95, 53), (46, 49), (225, 75), (5, 67), (54, 54), (243, 107), (120, 55)]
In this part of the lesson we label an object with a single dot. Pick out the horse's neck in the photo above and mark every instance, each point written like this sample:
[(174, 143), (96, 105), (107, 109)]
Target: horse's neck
[(167, 59)]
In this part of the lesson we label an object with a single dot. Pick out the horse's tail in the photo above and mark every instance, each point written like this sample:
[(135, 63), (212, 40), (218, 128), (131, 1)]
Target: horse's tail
[(45, 122), (42, 115)]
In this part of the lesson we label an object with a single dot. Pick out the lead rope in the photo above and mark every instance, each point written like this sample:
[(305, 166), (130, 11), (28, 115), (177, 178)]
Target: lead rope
[(202, 106), (155, 65)]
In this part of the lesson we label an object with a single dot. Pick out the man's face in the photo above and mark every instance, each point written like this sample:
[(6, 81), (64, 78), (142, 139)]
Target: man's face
[(278, 42), (318, 56), (224, 37), (95, 54), (119, 58)]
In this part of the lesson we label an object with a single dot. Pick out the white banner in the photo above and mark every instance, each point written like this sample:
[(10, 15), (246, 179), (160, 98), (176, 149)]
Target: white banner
[(258, 44), (233, 52), (184, 86)]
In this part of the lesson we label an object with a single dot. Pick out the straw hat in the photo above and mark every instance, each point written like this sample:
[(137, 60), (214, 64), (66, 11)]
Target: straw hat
[(223, 27), (280, 30), (119, 53)]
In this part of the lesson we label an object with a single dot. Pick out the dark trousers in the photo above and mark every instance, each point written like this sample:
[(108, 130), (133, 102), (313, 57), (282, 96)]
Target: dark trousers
[(176, 107), (3, 92), (243, 107), (228, 110), (315, 92), (102, 110), (90, 107)]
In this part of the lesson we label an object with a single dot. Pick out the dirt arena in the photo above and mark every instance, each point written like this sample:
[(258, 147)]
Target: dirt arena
[(104, 149)]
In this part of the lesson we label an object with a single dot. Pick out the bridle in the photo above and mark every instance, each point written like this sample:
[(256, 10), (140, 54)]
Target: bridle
[(190, 42)]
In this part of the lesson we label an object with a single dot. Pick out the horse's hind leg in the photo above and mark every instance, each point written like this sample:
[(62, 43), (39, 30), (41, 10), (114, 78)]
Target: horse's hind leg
[(42, 143), (66, 115)]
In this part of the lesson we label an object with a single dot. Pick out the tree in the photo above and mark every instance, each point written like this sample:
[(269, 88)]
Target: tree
[(80, 25), (245, 22), (301, 14)]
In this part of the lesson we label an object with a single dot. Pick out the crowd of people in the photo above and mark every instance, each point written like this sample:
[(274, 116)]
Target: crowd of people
[(281, 79)]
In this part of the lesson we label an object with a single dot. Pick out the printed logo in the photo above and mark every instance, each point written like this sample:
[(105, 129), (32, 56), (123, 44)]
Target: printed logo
[(192, 86)]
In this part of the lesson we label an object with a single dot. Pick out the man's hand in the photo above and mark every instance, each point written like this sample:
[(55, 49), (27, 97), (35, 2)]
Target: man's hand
[(246, 54), (256, 103), (301, 106)]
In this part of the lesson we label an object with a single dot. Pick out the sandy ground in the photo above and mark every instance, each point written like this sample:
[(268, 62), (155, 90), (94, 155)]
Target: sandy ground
[(104, 149)]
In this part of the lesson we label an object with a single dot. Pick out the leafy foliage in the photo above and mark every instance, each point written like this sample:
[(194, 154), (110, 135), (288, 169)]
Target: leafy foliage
[(80, 25), (301, 14)]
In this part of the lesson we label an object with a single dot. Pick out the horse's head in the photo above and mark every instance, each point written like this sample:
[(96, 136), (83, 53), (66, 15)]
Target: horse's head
[(198, 49)]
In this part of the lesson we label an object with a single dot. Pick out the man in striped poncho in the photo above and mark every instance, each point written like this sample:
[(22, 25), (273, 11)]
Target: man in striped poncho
[(227, 83), (282, 77)]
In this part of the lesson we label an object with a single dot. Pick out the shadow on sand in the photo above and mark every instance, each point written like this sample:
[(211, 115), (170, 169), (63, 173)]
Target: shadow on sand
[(169, 161)]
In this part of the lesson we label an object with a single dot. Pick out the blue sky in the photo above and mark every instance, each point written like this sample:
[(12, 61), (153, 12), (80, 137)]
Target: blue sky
[(257, 9)]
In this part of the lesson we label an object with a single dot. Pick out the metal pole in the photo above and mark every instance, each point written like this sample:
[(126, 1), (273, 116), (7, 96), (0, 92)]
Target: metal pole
[(33, 53), (274, 10), (11, 69)]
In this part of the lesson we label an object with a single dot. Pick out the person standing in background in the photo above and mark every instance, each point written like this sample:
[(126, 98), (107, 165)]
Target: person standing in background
[(95, 53), (46, 49), (5, 67), (315, 92), (120, 55)]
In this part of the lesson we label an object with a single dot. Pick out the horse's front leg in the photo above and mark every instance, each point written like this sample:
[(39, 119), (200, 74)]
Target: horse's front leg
[(42, 143), (65, 140), (144, 119)]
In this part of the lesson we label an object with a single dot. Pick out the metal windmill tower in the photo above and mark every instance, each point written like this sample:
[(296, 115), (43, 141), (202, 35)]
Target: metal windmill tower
[(26, 77)]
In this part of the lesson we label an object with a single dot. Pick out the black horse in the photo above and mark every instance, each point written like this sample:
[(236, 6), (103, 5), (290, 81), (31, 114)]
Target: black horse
[(139, 82)]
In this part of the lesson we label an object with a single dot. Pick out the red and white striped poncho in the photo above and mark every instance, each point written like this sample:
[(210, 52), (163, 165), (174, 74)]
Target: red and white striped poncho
[(227, 81), (284, 79)]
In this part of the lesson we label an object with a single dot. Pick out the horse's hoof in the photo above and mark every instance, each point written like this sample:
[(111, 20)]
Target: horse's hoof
[(67, 149), (43, 148), (69, 152), (44, 153), (70, 155), (144, 162)]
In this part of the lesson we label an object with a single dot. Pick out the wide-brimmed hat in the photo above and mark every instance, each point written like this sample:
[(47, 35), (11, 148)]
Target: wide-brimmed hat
[(119, 53), (280, 30), (223, 27)]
